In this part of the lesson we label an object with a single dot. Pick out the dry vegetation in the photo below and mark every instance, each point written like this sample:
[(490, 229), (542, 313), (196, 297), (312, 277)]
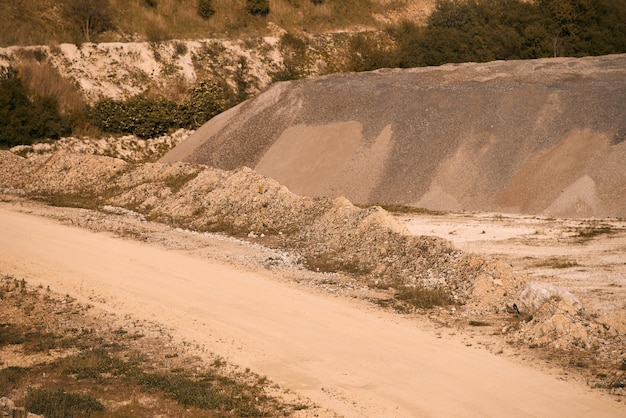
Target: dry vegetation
[(67, 360), (43, 22)]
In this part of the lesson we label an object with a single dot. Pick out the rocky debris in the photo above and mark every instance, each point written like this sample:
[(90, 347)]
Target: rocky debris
[(329, 234), (536, 294), (129, 148)]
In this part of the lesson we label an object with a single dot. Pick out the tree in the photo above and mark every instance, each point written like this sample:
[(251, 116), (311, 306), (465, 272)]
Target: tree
[(90, 16), (205, 9), (258, 7)]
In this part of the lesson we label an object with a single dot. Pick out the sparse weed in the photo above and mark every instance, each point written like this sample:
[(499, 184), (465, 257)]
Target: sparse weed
[(332, 263), (405, 209), (556, 263), (424, 297), (56, 403), (593, 231), (175, 183)]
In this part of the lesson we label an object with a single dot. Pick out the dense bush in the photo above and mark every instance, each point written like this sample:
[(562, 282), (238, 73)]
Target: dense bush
[(258, 7), (293, 50), (486, 30), (24, 120), (148, 116), (205, 8)]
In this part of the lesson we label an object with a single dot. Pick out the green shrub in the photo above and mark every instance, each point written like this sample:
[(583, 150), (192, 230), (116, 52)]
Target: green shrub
[(91, 17), (205, 9), (24, 121), (424, 297), (258, 7), (9, 377), (293, 50), (143, 115), (208, 98), (148, 116)]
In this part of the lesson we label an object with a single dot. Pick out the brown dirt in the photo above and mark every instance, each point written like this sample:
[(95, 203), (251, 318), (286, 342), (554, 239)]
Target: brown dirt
[(374, 256), (319, 346)]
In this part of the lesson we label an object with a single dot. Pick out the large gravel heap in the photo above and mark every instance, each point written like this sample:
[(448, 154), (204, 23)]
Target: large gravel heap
[(537, 137)]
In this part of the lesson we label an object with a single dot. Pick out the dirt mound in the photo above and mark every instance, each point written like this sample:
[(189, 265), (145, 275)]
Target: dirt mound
[(328, 234), (540, 136)]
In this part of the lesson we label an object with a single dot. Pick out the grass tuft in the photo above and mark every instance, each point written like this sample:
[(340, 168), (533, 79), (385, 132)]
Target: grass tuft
[(424, 297)]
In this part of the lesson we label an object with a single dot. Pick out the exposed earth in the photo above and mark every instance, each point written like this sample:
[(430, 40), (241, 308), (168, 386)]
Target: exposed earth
[(316, 334), (173, 269), (307, 295)]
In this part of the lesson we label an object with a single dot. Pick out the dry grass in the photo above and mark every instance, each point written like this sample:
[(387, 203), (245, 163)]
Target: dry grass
[(42, 79), (42, 22), (102, 372), (556, 263)]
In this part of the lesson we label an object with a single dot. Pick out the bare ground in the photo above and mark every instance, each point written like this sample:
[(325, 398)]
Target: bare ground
[(313, 292), (316, 334)]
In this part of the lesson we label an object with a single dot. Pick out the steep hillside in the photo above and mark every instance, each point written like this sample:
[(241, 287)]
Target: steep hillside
[(539, 136), (49, 22)]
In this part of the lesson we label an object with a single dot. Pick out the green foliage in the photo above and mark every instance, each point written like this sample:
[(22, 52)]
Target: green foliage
[(203, 392), (258, 7), (207, 100), (142, 115), (148, 116), (366, 53), (486, 30), (9, 377), (205, 9), (24, 121), (56, 403)]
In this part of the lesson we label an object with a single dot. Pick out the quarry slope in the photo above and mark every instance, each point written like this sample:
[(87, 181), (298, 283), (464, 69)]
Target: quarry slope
[(534, 137)]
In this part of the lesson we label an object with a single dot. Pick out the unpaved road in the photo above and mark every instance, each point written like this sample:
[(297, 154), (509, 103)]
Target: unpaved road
[(354, 360)]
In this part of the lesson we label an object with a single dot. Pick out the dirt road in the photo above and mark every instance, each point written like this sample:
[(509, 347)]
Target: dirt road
[(356, 361)]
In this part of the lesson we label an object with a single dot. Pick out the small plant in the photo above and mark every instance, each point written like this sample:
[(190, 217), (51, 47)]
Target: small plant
[(594, 230), (557, 263), (180, 48), (424, 297), (258, 7), (175, 183), (9, 377), (475, 323), (205, 9)]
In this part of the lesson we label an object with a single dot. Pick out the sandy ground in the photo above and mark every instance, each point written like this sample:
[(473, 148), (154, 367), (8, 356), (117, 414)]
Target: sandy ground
[(585, 256), (346, 356)]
